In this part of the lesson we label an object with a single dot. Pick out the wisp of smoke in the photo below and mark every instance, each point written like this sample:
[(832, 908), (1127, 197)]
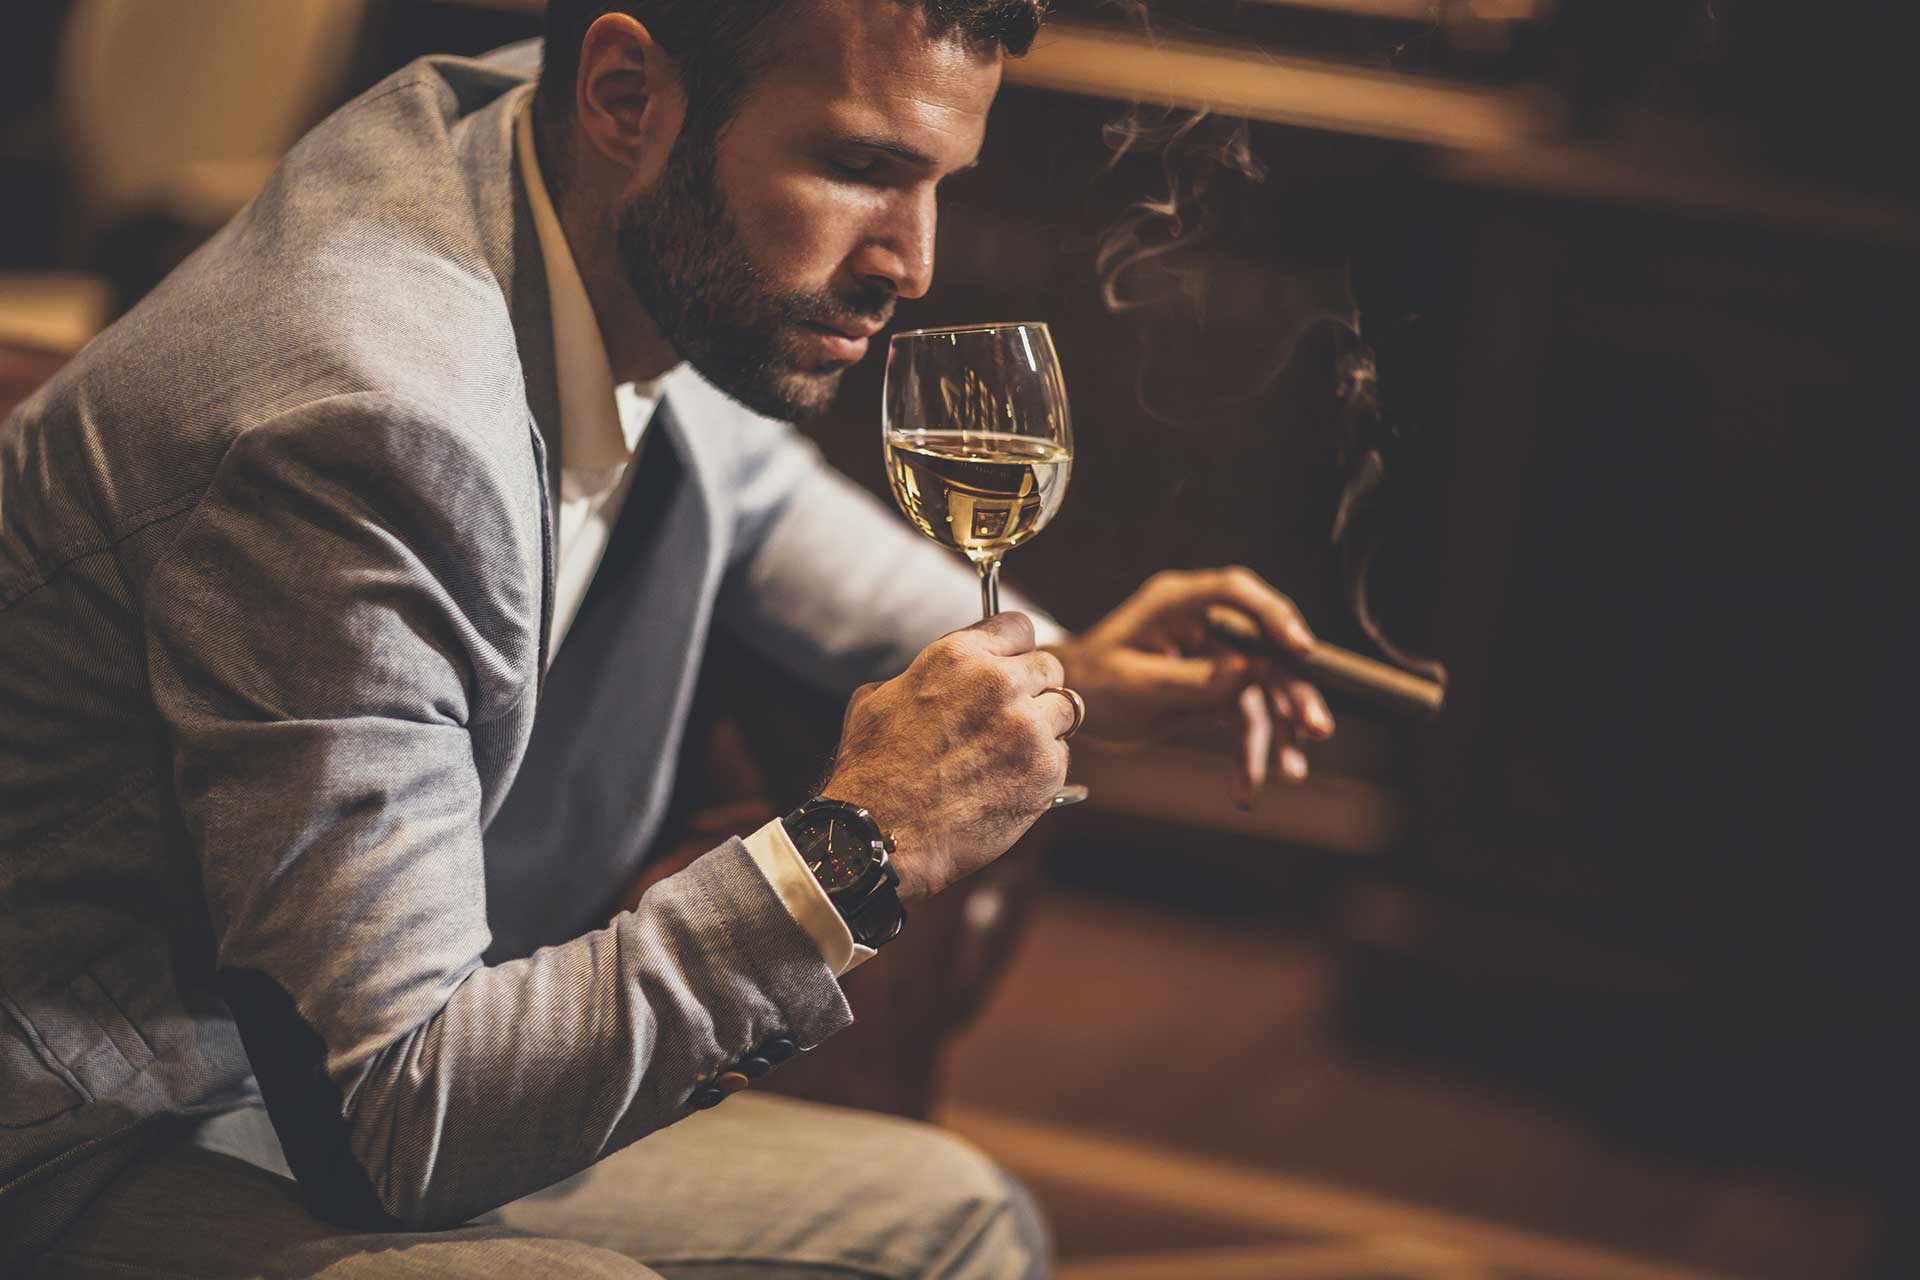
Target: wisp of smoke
[(1180, 263), (1359, 527), (1177, 263), (1154, 230)]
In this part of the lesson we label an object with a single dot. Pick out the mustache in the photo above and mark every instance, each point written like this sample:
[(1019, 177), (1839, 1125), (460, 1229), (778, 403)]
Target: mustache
[(872, 306)]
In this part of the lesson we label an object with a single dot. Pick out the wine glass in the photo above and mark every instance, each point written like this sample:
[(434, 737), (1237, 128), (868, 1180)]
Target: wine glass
[(979, 443)]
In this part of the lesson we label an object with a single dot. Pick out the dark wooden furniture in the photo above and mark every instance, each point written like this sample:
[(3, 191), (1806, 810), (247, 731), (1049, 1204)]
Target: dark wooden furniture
[(22, 370)]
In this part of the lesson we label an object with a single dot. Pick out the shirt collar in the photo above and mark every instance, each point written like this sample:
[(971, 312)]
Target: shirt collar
[(594, 432)]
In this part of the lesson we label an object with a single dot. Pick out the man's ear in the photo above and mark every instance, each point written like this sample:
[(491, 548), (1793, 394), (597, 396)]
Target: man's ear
[(628, 99)]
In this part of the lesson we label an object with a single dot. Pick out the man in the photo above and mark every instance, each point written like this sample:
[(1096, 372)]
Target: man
[(445, 429)]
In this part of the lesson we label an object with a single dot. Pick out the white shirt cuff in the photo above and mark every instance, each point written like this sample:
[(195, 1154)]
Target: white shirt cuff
[(773, 852), (1046, 631)]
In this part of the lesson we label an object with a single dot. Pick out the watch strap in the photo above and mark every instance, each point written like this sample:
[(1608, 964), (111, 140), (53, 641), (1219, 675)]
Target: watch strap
[(876, 917)]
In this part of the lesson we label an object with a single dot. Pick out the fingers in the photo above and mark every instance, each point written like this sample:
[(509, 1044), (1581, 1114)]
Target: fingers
[(1309, 714), (1185, 685), (1186, 593), (1181, 683), (1299, 713), (1292, 760), (1256, 745), (1035, 671), (1274, 721), (1274, 612), (1057, 758), (1004, 635), (1059, 713)]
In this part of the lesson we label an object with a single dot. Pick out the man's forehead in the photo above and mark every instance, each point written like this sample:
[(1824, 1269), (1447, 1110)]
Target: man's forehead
[(868, 65)]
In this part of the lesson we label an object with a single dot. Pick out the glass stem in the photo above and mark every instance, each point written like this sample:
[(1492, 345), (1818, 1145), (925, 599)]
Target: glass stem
[(989, 586)]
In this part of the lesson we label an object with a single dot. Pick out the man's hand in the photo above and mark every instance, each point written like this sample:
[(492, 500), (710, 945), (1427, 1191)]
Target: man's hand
[(957, 755), (1148, 669)]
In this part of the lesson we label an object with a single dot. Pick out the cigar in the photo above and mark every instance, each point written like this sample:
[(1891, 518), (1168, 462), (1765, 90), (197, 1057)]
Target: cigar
[(1331, 666)]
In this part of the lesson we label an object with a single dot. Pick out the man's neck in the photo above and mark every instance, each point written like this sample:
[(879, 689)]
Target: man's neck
[(636, 351)]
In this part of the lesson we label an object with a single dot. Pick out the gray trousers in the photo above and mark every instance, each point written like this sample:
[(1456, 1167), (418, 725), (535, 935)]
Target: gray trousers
[(761, 1187)]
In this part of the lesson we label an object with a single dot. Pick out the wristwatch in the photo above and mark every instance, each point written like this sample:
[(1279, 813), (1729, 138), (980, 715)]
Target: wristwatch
[(850, 855)]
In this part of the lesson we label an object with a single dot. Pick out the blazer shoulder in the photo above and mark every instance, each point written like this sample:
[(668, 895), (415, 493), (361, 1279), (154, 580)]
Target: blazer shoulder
[(361, 267)]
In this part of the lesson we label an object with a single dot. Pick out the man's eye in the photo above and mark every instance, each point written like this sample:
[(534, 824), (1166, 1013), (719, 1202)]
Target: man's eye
[(862, 168)]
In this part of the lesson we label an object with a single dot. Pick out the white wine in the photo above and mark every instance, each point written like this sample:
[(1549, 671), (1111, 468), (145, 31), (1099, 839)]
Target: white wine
[(982, 492)]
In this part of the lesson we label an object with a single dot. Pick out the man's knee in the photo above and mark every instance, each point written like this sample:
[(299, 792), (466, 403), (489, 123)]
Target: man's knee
[(981, 1221), (765, 1183), (1030, 1229)]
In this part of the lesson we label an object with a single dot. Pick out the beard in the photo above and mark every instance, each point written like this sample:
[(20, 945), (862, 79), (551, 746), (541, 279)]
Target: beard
[(683, 256)]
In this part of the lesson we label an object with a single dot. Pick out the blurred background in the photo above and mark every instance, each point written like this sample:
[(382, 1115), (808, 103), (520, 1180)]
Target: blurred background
[(1600, 310)]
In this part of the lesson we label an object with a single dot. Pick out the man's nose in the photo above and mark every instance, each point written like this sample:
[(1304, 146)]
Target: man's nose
[(900, 252)]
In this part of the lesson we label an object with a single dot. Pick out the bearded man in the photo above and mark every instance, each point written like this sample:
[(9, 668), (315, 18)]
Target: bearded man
[(352, 591)]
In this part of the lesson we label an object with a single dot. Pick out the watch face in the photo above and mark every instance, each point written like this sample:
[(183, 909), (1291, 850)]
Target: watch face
[(837, 851)]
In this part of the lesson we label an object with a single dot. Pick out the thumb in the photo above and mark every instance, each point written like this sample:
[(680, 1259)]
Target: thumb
[(1186, 682), (1005, 635)]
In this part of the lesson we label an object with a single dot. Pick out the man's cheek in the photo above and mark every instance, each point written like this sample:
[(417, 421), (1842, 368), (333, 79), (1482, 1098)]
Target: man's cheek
[(815, 229), (784, 210)]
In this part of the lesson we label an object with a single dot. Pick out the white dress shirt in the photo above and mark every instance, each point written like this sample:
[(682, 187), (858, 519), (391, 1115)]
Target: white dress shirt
[(600, 430)]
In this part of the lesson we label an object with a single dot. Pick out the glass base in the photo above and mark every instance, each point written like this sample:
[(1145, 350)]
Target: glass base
[(1072, 793)]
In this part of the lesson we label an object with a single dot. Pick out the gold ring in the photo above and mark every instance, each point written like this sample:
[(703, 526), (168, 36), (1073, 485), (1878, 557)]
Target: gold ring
[(1079, 709)]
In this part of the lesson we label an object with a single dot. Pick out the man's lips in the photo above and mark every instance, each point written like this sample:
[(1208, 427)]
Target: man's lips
[(848, 342)]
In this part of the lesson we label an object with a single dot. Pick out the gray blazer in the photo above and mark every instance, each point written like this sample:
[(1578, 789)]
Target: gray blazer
[(276, 565)]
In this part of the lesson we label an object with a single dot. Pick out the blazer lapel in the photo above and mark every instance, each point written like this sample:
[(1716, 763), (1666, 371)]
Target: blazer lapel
[(533, 334), (598, 772)]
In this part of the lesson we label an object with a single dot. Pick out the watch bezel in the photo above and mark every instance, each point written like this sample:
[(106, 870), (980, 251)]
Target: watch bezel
[(875, 886), (875, 841)]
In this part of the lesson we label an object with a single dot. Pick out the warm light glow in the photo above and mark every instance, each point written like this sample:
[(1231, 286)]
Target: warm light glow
[(1424, 10), (1295, 91)]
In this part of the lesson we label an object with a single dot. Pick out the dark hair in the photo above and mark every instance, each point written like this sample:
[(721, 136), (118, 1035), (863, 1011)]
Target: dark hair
[(720, 46)]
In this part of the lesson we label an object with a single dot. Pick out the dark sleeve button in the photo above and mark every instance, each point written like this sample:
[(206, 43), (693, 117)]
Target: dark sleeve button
[(708, 1098), (729, 1082), (779, 1049), (754, 1068)]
